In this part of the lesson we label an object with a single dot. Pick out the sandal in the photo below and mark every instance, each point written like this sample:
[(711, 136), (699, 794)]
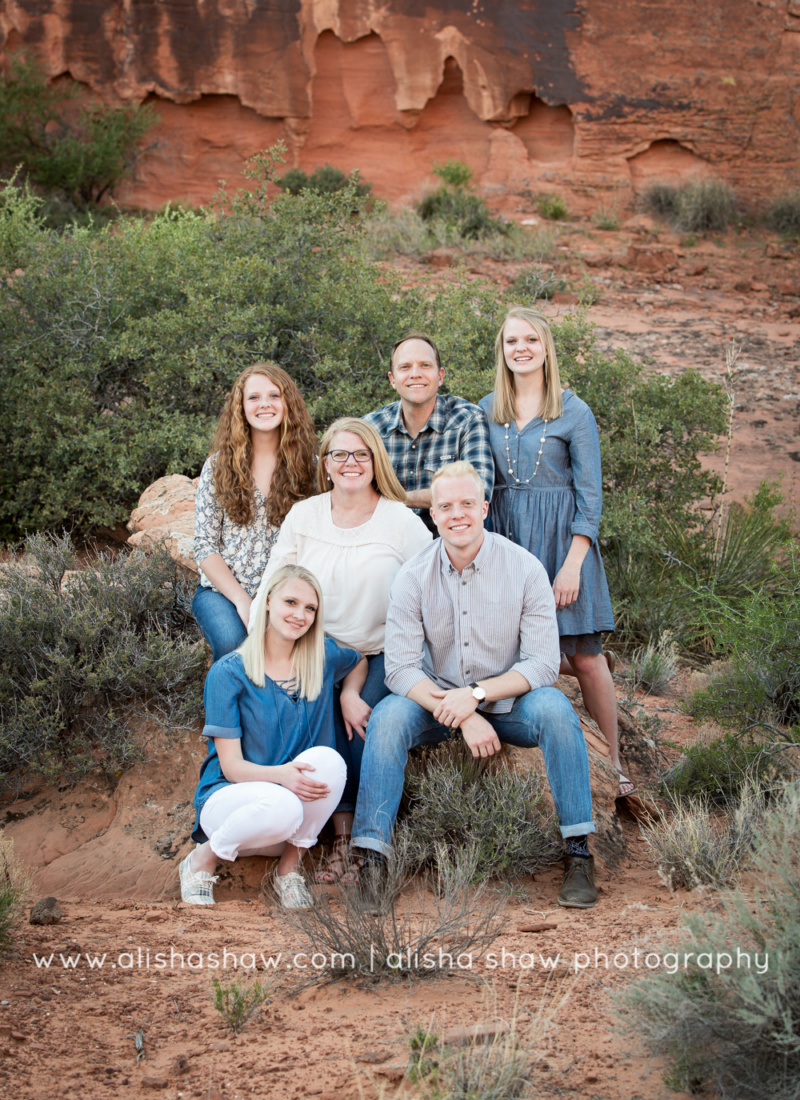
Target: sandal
[(611, 659), (626, 786), (340, 866)]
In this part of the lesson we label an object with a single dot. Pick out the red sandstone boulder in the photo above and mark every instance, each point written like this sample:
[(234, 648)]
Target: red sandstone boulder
[(165, 513)]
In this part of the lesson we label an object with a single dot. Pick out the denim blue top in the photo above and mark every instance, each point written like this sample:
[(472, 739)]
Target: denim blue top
[(273, 725), (565, 498)]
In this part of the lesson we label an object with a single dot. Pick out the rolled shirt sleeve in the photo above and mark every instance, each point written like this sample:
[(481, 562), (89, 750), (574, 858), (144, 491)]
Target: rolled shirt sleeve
[(221, 701), (539, 649)]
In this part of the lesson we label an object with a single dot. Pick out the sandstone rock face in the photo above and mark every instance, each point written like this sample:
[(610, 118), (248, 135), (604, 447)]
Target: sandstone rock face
[(600, 96), (165, 513)]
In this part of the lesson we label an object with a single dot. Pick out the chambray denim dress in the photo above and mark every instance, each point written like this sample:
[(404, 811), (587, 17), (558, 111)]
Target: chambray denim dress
[(565, 498)]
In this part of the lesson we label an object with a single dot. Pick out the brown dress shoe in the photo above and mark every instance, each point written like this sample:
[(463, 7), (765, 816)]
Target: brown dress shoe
[(578, 890)]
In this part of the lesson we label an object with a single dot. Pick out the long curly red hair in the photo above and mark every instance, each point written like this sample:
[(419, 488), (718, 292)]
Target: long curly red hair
[(293, 478)]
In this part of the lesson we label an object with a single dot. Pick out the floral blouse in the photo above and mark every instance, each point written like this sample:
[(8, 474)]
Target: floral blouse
[(245, 549)]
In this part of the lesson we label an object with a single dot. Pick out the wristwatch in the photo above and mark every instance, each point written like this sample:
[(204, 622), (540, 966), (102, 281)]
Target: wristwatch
[(478, 693)]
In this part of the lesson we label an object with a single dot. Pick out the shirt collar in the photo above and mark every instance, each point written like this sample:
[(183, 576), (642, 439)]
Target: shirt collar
[(478, 562), (436, 422)]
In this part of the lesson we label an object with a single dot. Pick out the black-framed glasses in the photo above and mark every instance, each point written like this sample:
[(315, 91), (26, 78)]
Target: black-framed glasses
[(342, 456)]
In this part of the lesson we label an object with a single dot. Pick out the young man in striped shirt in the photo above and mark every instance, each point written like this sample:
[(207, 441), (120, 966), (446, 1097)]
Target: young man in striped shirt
[(472, 645)]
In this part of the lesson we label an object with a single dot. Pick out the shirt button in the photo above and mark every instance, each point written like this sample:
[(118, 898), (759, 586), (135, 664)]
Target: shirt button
[(466, 643), (463, 612)]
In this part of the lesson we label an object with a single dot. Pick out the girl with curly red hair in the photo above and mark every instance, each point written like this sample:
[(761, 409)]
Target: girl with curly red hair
[(261, 463)]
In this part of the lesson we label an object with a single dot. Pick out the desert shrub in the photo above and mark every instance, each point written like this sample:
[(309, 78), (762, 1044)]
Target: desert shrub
[(699, 206), (466, 212), (239, 999), (719, 770), (655, 664), (606, 216), (783, 214), (442, 922), (86, 653), (81, 154), (457, 207), (760, 636), (687, 565), (493, 1067), (14, 886), (697, 846), (552, 207), (323, 181), (726, 1018), (118, 347), (661, 199), (454, 173), (534, 283), (455, 801)]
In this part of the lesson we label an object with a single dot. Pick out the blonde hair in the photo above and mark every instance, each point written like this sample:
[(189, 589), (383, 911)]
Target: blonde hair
[(459, 469), (504, 405), (308, 654), (384, 480)]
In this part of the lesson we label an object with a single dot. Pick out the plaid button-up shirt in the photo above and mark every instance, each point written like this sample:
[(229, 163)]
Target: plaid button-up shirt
[(456, 431)]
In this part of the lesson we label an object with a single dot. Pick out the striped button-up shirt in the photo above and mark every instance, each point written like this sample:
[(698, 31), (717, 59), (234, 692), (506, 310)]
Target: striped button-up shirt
[(454, 628), (456, 431)]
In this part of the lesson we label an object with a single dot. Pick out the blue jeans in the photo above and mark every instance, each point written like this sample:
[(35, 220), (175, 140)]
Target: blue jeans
[(219, 620), (542, 718), (373, 691)]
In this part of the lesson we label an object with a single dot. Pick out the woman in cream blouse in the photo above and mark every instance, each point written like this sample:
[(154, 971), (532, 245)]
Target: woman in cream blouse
[(354, 536)]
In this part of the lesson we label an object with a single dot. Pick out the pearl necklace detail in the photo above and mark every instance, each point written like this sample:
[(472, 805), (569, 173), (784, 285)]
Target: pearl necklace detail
[(538, 457)]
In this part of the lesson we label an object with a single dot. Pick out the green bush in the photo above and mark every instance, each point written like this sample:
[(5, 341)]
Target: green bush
[(719, 770), (117, 347), (606, 216), (464, 211), (783, 214), (458, 802), (453, 173), (237, 1000), (760, 636), (552, 207), (322, 181), (700, 206), (84, 155), (727, 1023), (86, 653)]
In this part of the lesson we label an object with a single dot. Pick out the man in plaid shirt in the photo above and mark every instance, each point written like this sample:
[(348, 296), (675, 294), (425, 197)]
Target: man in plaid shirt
[(426, 430)]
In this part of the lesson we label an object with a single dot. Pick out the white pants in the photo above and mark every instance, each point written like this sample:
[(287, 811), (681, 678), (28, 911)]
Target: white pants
[(259, 819)]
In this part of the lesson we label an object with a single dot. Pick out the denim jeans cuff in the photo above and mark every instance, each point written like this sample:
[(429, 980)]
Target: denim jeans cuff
[(583, 829), (372, 843)]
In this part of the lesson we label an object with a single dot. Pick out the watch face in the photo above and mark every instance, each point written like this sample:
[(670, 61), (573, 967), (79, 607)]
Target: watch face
[(478, 693)]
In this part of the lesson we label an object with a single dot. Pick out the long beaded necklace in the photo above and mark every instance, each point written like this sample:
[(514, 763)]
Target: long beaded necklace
[(511, 473)]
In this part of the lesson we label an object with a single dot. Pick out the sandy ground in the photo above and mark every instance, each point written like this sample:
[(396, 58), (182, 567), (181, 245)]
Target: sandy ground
[(110, 856)]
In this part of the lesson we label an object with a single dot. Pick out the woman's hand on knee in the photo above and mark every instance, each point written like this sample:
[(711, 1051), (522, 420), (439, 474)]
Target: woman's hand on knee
[(293, 777)]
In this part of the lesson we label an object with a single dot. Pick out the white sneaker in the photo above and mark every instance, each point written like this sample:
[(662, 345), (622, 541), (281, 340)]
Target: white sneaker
[(292, 891), (197, 887)]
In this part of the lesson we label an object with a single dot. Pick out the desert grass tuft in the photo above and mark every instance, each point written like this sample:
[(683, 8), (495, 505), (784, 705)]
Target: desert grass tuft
[(426, 924), (726, 1017), (655, 665), (455, 802), (239, 999), (698, 846)]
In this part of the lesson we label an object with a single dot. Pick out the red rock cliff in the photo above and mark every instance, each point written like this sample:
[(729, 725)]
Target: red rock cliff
[(538, 94)]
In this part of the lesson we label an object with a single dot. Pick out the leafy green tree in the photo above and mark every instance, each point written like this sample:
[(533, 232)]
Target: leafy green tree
[(82, 155)]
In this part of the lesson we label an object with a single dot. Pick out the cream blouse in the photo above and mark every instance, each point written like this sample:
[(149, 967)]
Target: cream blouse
[(355, 566)]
